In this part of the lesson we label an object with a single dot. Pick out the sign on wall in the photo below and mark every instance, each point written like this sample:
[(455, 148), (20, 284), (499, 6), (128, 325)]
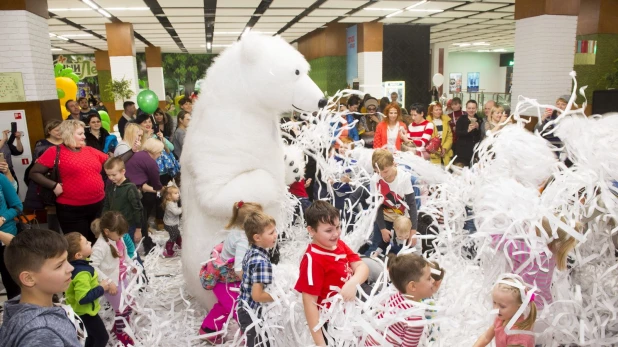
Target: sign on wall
[(454, 84), (352, 55), (12, 87), (82, 66), (398, 87), (473, 81)]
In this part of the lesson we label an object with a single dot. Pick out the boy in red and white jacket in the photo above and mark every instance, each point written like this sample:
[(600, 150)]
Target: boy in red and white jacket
[(327, 262)]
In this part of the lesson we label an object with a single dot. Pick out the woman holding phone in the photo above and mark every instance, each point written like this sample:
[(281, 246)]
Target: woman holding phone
[(468, 134)]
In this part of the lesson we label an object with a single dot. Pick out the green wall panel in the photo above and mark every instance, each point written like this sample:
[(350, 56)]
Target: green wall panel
[(329, 73), (105, 77), (592, 75)]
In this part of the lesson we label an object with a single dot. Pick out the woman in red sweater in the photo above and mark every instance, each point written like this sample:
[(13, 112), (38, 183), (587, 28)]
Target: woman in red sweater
[(391, 130), (80, 189)]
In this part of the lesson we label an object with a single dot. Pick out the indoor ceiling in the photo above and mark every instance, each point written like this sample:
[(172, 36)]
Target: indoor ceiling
[(201, 26)]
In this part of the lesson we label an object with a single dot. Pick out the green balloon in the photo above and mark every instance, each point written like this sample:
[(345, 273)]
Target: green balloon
[(74, 77), (57, 68), (104, 116), (147, 101), (105, 125), (60, 92)]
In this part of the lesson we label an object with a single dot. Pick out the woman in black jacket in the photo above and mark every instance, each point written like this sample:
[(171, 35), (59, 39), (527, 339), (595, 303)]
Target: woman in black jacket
[(468, 134), (96, 135)]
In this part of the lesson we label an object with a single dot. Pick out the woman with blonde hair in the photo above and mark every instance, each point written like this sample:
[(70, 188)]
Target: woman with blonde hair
[(132, 140), (496, 117), (442, 129), (79, 188)]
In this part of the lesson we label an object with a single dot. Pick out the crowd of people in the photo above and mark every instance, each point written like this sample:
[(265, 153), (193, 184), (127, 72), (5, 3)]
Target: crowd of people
[(105, 193), (104, 196)]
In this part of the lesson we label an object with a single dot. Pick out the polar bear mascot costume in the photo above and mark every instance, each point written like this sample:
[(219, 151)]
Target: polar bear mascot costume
[(233, 149)]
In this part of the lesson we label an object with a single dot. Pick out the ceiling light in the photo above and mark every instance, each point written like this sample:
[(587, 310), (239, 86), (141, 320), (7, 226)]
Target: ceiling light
[(91, 4), (52, 35), (484, 50), (394, 14), (462, 44), (56, 49), (499, 50), (208, 45), (481, 44), (104, 13), (221, 45), (415, 5), (62, 38)]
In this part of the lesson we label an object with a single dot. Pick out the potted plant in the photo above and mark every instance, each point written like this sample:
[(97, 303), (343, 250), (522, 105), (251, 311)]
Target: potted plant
[(120, 90)]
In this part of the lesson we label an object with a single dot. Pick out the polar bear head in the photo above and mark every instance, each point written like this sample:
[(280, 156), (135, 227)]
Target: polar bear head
[(276, 74), (294, 161)]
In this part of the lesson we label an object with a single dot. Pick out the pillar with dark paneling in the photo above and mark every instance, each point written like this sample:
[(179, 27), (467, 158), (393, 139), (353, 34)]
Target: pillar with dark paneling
[(406, 58)]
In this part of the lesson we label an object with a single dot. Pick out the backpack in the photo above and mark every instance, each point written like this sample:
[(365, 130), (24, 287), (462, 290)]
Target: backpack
[(216, 270)]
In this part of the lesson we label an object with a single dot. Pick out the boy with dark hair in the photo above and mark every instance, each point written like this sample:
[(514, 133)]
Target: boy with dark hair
[(257, 273), (37, 261), (399, 199), (333, 264)]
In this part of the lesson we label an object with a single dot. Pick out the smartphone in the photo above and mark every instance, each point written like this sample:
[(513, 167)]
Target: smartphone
[(473, 120), (155, 128), (2, 160), (13, 127)]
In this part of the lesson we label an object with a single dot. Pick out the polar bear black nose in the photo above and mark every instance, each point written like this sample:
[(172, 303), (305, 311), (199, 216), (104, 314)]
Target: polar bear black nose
[(322, 103)]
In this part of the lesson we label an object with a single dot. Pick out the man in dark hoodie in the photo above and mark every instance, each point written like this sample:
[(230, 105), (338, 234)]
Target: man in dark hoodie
[(37, 261)]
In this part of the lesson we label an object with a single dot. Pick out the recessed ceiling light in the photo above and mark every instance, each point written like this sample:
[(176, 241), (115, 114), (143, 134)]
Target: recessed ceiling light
[(380, 9), (56, 49), (221, 45), (394, 14), (76, 35), (62, 38), (500, 50), (208, 45), (91, 4), (421, 10), (127, 8), (484, 50), (69, 9), (415, 5), (462, 44), (104, 13), (481, 44)]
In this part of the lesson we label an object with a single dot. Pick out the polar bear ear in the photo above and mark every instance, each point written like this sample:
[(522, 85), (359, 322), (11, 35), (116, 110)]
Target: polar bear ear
[(251, 45)]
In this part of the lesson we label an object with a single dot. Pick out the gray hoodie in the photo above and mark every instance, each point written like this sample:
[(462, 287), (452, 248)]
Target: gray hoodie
[(32, 325)]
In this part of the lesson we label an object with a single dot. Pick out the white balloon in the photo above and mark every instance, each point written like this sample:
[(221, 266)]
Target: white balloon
[(438, 80)]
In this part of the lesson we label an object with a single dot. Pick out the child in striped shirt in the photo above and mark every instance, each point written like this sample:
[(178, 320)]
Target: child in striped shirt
[(411, 275)]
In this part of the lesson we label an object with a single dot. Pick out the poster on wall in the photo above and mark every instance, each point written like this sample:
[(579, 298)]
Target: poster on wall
[(20, 162), (454, 82), (12, 87), (473, 81), (352, 55), (398, 87)]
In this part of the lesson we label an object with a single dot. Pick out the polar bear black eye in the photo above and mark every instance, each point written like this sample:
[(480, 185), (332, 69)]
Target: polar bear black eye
[(292, 163), (295, 170), (297, 72)]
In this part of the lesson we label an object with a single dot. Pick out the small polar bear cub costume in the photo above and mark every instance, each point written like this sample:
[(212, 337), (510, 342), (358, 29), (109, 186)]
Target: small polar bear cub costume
[(233, 149)]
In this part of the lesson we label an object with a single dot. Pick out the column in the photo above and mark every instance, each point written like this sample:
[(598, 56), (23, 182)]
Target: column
[(121, 50), (154, 68), (439, 63), (26, 75), (104, 77), (544, 50), (597, 45), (370, 46)]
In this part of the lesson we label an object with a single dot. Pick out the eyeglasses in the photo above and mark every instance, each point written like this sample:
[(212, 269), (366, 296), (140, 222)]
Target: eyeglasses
[(371, 109)]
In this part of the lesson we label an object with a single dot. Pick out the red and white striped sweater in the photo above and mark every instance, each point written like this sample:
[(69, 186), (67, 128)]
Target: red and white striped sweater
[(407, 335), (420, 133)]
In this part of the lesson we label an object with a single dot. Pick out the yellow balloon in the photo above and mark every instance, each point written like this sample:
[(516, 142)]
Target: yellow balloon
[(176, 99), (69, 87)]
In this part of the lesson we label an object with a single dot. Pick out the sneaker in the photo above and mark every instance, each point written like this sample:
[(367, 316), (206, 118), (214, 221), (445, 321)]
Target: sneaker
[(168, 252), (213, 340)]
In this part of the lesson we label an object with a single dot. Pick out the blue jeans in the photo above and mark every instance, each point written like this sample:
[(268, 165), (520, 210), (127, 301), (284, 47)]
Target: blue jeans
[(376, 239)]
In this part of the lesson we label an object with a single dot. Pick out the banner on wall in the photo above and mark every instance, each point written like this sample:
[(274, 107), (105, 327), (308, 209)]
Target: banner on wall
[(352, 55), (20, 162), (473, 81), (83, 66), (454, 84)]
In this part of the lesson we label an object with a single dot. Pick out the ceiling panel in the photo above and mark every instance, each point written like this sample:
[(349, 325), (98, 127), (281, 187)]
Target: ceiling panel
[(453, 14), (228, 26), (510, 9), (467, 21), (479, 7), (343, 4), (329, 12), (174, 20), (272, 19), (151, 19), (353, 19), (438, 5), (396, 20), (431, 20), (240, 19), (393, 4), (489, 15), (234, 12), (310, 19), (446, 26), (500, 22), (237, 3), (181, 3), (291, 3), (188, 11), (119, 11), (94, 20), (76, 14)]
